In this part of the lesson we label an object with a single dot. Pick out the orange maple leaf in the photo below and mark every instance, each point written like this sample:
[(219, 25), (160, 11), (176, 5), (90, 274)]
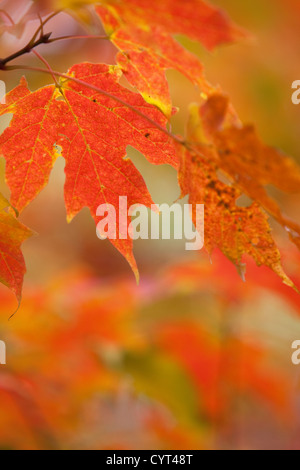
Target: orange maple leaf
[(12, 264), (143, 32), (93, 130), (28, 143), (248, 165), (247, 161)]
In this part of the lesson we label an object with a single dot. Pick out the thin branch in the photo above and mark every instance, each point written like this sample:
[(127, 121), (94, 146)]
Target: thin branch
[(65, 38), (33, 43), (42, 59), (8, 17), (25, 50), (41, 27), (43, 39), (41, 24)]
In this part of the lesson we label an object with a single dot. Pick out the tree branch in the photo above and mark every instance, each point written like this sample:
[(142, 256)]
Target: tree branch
[(44, 39), (66, 38), (33, 43)]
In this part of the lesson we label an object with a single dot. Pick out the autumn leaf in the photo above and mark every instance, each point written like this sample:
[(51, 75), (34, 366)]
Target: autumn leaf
[(28, 143), (90, 119), (248, 162), (96, 132), (235, 230), (12, 264), (12, 235), (143, 32), (179, 18), (93, 130)]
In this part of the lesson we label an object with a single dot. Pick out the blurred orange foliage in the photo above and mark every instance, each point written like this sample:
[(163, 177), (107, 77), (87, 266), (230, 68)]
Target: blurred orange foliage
[(105, 365)]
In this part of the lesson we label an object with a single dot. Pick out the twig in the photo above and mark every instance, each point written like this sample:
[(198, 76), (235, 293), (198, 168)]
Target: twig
[(42, 59), (33, 43), (41, 24), (8, 17), (43, 39), (25, 50), (65, 38), (41, 27)]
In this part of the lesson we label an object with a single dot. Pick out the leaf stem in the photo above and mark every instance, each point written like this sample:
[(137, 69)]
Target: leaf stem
[(65, 38), (42, 59), (177, 139)]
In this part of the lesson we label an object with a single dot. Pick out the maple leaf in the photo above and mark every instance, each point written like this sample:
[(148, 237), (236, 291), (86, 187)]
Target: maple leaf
[(97, 130), (249, 164), (93, 130), (247, 161), (28, 143), (143, 32), (12, 264)]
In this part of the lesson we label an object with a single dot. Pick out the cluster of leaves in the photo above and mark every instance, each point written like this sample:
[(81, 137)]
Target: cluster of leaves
[(89, 118), (122, 372)]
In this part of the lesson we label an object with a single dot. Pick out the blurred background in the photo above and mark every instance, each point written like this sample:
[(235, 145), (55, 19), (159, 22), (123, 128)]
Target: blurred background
[(193, 358)]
